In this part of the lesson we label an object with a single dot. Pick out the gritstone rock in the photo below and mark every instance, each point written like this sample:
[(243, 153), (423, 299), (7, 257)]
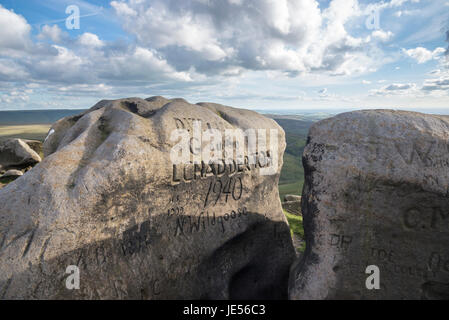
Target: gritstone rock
[(108, 200), (375, 194)]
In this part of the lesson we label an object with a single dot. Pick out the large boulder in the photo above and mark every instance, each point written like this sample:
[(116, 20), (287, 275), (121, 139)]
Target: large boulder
[(108, 200), (15, 153), (375, 194)]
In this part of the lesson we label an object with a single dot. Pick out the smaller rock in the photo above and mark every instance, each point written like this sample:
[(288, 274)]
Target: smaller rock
[(292, 204), (16, 154), (36, 145), (12, 173), (292, 197), (293, 207)]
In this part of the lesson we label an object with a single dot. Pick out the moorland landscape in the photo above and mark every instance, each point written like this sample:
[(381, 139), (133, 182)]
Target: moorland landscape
[(316, 170)]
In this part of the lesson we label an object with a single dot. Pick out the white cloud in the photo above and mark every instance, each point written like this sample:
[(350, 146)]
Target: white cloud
[(438, 84), (402, 13), (17, 96), (422, 55), (85, 89), (54, 33), (292, 36), (395, 89), (388, 4), (382, 35), (156, 26), (141, 64), (228, 49), (123, 9), (14, 31), (90, 40), (436, 87), (400, 86), (11, 71)]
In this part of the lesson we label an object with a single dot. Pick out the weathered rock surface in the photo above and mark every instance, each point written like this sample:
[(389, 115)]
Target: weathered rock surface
[(15, 153), (107, 199), (376, 193)]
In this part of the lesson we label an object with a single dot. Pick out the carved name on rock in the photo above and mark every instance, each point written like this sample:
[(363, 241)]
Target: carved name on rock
[(376, 193), (108, 200)]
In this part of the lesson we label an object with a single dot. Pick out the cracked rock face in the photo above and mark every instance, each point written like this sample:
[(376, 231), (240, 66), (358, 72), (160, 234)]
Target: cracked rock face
[(376, 192), (108, 200)]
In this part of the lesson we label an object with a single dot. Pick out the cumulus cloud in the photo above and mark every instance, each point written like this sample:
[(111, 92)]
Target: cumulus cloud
[(188, 40), (423, 55), (436, 86), (382, 35), (439, 84), (202, 44), (54, 33), (11, 71), (389, 4), (294, 36), (85, 89), (78, 61), (15, 96), (399, 87), (14, 32), (142, 64), (402, 13), (395, 89), (90, 40)]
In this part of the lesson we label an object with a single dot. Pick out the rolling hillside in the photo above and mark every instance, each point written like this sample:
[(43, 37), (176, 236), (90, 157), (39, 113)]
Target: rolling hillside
[(292, 174)]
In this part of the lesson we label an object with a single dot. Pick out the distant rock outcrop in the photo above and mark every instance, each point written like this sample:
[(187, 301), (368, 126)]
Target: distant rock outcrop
[(375, 199), (107, 201), (292, 204), (291, 197)]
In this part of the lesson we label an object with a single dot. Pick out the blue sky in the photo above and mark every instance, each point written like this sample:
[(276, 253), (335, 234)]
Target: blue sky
[(266, 54)]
